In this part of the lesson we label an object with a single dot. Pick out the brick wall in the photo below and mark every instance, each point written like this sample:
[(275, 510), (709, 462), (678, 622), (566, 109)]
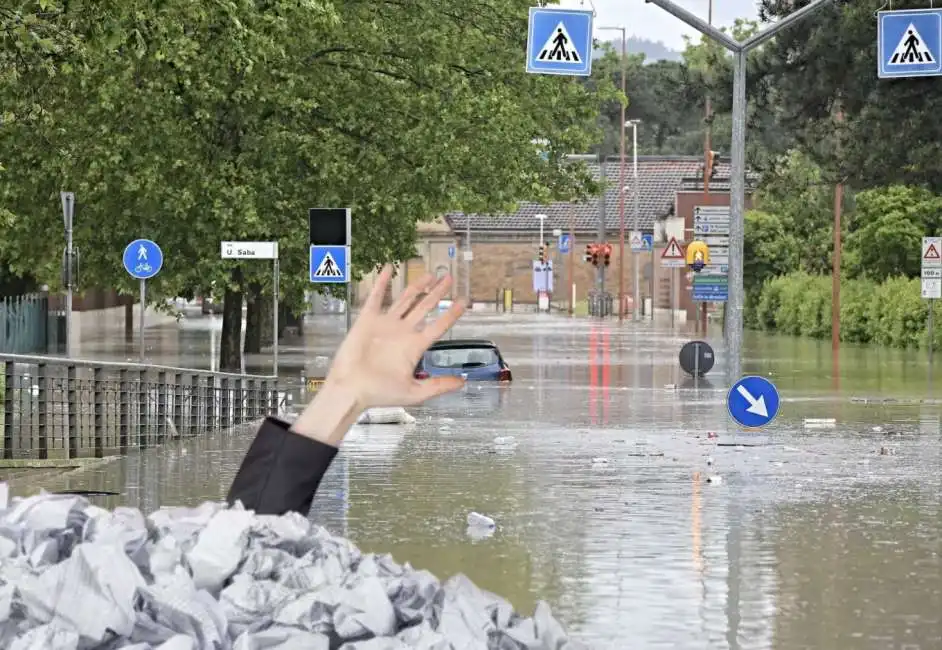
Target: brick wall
[(509, 264)]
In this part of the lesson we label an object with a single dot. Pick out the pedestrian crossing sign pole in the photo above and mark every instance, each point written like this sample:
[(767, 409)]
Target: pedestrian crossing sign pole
[(330, 264), (559, 42), (909, 43)]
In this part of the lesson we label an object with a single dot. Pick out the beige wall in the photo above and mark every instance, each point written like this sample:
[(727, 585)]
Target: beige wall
[(431, 257)]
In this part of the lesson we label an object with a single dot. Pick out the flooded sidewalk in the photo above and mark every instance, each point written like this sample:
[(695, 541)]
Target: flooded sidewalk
[(612, 500)]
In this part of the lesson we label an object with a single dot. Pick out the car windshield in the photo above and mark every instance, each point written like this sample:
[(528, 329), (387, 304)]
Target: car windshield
[(470, 357)]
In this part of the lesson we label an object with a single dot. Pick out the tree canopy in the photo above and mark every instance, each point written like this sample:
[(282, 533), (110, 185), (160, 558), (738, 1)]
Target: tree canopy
[(191, 123)]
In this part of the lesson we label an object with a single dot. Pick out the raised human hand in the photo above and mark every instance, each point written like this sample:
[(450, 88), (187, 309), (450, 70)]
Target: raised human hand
[(377, 359)]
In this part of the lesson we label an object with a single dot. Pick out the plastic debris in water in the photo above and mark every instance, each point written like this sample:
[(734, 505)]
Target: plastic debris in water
[(505, 441), (709, 460), (715, 480), (75, 575), (600, 461), (819, 423), (477, 520)]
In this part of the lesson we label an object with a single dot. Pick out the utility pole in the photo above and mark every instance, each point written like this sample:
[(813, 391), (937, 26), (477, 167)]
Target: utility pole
[(621, 175), (707, 162), (836, 257)]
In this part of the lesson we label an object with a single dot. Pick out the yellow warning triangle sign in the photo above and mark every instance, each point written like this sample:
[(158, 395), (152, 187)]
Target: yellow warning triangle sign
[(932, 253), (674, 251)]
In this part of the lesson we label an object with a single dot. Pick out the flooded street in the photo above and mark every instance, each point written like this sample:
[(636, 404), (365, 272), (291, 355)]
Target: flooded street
[(613, 504)]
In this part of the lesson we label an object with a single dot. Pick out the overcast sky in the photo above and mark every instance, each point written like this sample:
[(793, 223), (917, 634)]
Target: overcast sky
[(648, 21)]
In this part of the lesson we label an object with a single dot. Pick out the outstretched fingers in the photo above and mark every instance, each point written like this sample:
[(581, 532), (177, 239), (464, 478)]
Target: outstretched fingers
[(438, 327), (406, 300), (374, 301), (430, 301), (426, 389)]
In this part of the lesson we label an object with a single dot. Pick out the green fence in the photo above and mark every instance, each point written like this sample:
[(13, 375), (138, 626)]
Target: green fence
[(24, 324)]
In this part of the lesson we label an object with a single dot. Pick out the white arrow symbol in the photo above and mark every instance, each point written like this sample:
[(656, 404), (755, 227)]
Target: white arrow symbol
[(141, 252), (756, 406)]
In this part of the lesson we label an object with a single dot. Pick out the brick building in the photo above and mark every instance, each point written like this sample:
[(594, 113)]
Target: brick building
[(505, 245)]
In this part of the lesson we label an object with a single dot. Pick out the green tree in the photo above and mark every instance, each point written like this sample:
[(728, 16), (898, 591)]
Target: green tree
[(796, 191), (206, 122), (886, 229), (828, 63)]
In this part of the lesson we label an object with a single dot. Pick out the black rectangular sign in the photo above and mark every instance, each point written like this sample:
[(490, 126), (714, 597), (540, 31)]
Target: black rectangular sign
[(329, 226)]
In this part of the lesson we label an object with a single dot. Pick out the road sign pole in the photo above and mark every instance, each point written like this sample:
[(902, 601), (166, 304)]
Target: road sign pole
[(349, 308), (734, 304), (68, 212), (140, 325), (737, 200), (274, 317)]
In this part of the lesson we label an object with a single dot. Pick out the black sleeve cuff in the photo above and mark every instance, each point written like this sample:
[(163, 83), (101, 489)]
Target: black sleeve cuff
[(280, 471)]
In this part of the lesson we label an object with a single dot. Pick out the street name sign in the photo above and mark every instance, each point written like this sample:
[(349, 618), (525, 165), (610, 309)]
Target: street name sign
[(753, 402), (909, 43), (559, 41), (248, 250)]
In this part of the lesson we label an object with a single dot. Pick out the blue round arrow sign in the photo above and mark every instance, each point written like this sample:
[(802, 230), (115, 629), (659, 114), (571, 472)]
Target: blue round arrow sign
[(143, 259), (753, 402)]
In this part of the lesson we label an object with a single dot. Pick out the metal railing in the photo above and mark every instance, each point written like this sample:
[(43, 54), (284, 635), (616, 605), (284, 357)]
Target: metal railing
[(24, 324), (67, 408), (600, 303)]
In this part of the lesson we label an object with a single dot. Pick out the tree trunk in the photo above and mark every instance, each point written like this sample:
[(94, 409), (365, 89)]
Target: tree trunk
[(230, 342), (265, 321), (287, 318), (253, 320)]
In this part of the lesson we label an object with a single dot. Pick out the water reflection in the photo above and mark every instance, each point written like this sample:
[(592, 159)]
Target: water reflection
[(812, 539)]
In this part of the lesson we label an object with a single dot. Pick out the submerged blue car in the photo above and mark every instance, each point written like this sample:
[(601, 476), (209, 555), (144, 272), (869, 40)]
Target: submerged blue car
[(473, 359)]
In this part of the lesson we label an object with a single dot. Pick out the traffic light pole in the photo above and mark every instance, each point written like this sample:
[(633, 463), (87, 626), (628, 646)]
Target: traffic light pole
[(600, 277)]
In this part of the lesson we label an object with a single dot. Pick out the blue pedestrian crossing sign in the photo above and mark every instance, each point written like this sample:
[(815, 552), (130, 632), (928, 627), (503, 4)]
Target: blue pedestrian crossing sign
[(143, 259), (753, 402), (451, 252), (647, 242), (909, 43), (330, 264), (565, 243), (559, 42)]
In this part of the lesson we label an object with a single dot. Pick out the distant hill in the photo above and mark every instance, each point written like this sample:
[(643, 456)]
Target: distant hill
[(652, 50)]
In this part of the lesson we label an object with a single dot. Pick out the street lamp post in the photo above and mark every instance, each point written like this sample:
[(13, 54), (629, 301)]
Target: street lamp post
[(636, 208), (621, 173)]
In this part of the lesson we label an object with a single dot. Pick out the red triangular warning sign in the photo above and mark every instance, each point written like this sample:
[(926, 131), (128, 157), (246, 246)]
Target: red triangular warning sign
[(674, 251), (932, 253)]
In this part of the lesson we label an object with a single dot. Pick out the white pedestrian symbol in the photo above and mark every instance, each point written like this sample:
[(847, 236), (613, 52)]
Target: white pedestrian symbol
[(328, 268), (141, 252), (911, 49), (559, 47)]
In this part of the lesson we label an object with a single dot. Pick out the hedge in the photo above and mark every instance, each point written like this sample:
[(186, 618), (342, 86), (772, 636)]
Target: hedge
[(892, 313)]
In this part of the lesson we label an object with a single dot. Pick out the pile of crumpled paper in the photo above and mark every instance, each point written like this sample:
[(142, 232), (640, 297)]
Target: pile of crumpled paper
[(76, 576)]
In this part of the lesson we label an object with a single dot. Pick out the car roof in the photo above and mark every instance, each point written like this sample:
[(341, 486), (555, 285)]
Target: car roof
[(453, 344)]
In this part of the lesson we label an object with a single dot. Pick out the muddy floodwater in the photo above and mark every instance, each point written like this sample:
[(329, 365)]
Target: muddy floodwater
[(614, 503)]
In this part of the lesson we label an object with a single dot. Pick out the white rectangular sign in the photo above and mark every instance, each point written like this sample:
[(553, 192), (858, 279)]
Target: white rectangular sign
[(929, 273), (932, 289), (249, 250), (711, 229), (710, 218), (932, 252)]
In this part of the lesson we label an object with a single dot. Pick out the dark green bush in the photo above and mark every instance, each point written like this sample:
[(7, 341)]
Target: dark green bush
[(890, 313)]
